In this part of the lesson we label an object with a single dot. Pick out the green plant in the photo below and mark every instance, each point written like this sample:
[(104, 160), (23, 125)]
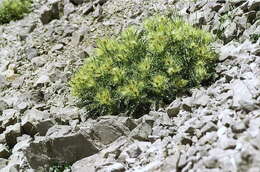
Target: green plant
[(59, 167), (144, 67), (13, 10), (254, 37)]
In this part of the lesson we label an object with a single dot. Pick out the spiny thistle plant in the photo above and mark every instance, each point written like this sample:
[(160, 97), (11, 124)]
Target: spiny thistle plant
[(13, 10), (143, 67)]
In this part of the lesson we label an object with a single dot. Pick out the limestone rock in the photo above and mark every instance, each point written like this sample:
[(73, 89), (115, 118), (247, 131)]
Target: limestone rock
[(50, 12), (242, 96), (4, 152), (108, 130), (11, 133), (60, 148), (32, 119)]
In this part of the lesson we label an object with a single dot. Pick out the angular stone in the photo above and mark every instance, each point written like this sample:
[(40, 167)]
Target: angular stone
[(3, 163), (59, 148), (142, 132), (108, 130), (4, 152), (31, 120), (42, 80), (112, 167), (254, 5), (239, 127), (3, 82), (242, 96), (93, 162), (11, 133), (11, 167), (68, 9), (77, 37), (3, 106), (50, 12), (77, 2), (200, 98), (187, 104), (174, 108), (9, 117), (44, 126), (230, 32), (209, 127)]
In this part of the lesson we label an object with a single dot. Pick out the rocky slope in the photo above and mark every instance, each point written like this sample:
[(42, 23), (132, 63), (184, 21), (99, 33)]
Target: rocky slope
[(216, 128)]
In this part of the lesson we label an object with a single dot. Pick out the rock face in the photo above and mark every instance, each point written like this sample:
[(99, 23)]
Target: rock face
[(214, 128)]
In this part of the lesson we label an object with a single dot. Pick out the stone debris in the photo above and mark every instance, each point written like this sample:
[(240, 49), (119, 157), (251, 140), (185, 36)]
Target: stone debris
[(215, 128)]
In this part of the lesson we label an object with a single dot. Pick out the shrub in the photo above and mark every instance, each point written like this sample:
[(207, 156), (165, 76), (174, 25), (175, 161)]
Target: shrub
[(254, 37), (13, 10), (144, 67)]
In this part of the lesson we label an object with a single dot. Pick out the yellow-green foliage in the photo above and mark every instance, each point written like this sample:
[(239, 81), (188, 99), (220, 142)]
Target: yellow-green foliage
[(13, 10), (143, 67)]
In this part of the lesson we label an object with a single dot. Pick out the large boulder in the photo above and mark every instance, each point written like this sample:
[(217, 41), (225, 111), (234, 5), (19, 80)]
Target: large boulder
[(59, 147)]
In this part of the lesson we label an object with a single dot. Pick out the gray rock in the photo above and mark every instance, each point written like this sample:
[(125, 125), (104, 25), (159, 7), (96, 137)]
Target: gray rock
[(88, 163), (174, 108), (77, 2), (242, 96), (209, 127), (187, 104), (11, 133), (57, 47), (3, 82), (58, 130), (31, 120), (211, 163), (23, 138), (42, 80), (134, 150), (227, 143), (9, 117), (60, 148), (50, 12), (200, 98), (107, 155), (68, 9), (65, 114), (88, 8), (239, 127), (141, 132), (230, 32), (3, 163), (98, 11), (11, 168), (44, 126), (111, 167), (108, 130), (2, 139), (77, 37), (254, 5), (4, 152), (31, 53), (3, 106)]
